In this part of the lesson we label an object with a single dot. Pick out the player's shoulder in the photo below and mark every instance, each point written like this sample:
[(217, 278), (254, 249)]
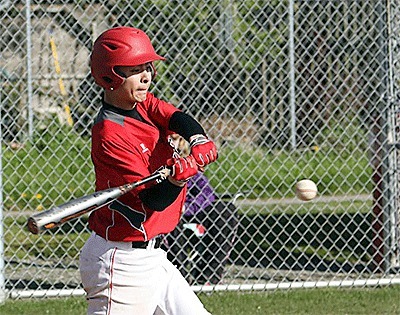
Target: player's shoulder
[(156, 107), (151, 100), (108, 124), (105, 115)]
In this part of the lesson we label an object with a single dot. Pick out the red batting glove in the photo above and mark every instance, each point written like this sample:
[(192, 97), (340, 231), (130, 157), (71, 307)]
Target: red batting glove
[(182, 169), (203, 150)]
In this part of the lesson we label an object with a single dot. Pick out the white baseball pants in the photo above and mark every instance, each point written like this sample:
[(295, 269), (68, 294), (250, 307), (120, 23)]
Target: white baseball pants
[(121, 280)]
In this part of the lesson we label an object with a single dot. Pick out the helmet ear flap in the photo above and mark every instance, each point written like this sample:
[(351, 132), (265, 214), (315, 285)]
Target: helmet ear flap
[(112, 84), (107, 79)]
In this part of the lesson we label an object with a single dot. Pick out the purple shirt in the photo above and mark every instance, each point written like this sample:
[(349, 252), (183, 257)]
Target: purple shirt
[(200, 194)]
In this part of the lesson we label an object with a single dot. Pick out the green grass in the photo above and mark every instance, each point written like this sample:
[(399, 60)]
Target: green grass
[(269, 174), (20, 243), (56, 166), (373, 301)]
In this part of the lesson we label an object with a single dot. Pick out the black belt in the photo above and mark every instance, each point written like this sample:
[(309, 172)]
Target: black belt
[(144, 244)]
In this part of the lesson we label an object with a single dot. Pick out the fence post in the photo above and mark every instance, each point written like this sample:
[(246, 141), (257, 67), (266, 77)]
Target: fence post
[(2, 265), (29, 66), (382, 127), (292, 77)]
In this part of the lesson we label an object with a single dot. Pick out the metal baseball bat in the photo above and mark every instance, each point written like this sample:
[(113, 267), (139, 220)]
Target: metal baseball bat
[(75, 208)]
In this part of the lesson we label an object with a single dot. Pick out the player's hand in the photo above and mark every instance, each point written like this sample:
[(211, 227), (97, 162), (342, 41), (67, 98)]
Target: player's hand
[(182, 169), (203, 150)]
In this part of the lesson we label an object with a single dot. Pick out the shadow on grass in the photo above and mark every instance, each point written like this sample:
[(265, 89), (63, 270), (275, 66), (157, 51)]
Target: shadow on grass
[(317, 242)]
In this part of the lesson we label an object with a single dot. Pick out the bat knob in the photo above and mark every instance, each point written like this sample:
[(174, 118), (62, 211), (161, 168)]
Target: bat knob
[(32, 226)]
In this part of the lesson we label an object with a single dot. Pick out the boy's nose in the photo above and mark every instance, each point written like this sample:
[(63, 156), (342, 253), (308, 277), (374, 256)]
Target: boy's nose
[(146, 76)]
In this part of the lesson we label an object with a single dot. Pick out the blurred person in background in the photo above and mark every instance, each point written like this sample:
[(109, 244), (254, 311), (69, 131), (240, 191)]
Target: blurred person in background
[(201, 243)]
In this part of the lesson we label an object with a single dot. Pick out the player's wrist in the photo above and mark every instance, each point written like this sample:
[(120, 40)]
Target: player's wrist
[(179, 183), (193, 140)]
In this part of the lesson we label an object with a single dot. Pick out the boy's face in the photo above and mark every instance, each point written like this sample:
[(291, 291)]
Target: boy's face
[(137, 81)]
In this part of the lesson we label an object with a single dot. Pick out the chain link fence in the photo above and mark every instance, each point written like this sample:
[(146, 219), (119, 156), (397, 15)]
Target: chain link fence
[(288, 90)]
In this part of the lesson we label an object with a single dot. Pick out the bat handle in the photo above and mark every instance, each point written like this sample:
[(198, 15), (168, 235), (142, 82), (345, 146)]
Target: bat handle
[(165, 172)]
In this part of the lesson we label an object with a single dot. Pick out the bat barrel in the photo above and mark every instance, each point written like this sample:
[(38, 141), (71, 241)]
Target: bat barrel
[(55, 216)]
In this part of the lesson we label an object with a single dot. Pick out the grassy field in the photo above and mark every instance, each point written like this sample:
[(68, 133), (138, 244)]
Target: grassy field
[(333, 301), (54, 168)]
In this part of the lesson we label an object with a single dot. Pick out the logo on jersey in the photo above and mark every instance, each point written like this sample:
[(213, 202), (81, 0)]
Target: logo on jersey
[(144, 148)]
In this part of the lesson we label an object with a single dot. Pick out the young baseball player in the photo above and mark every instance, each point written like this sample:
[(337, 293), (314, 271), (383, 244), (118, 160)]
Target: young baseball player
[(123, 270)]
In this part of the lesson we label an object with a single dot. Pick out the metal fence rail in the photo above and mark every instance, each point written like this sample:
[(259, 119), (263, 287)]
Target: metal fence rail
[(288, 90)]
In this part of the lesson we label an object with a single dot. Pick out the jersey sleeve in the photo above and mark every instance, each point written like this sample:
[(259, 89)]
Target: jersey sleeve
[(159, 111)]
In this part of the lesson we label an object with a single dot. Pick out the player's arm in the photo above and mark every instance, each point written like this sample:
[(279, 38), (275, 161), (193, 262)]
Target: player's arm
[(202, 149)]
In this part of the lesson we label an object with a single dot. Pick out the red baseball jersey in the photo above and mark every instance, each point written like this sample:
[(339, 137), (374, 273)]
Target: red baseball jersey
[(127, 146)]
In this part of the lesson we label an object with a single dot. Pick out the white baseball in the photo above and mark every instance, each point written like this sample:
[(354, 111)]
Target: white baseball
[(306, 190)]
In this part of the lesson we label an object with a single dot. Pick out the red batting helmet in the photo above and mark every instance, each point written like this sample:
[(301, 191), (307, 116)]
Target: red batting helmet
[(120, 46)]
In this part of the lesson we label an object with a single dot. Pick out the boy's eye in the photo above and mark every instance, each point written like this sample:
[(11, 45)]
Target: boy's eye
[(140, 69), (136, 70)]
